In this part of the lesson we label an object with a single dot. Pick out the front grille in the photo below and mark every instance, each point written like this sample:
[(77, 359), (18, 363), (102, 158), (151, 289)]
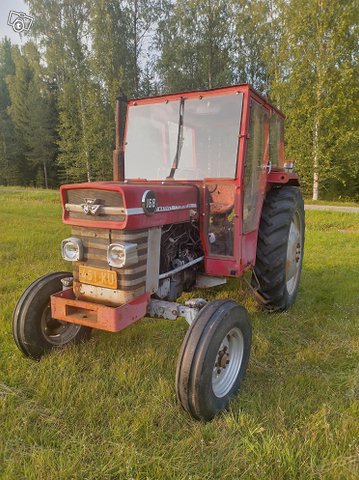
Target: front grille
[(111, 204), (95, 242)]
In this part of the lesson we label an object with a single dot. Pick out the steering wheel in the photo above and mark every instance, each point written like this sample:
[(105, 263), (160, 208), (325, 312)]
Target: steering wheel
[(214, 189)]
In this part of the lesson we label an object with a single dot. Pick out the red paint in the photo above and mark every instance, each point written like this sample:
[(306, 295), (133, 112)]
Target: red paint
[(65, 307), (176, 192), (280, 177), (167, 195)]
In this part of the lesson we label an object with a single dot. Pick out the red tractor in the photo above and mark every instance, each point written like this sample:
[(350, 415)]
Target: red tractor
[(200, 193)]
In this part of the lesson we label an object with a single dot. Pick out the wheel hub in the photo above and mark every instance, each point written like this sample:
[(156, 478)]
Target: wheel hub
[(294, 254), (228, 362), (222, 358), (55, 331)]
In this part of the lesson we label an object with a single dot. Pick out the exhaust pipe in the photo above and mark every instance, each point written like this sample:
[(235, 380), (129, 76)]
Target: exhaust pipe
[(119, 153)]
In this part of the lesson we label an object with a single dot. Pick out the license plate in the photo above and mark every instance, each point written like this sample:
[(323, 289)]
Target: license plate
[(98, 276)]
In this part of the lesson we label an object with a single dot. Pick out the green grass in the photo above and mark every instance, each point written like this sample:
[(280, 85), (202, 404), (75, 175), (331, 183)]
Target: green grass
[(107, 409)]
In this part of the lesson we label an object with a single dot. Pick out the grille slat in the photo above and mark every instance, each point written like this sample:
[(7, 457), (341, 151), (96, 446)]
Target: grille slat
[(94, 243), (91, 233), (140, 236), (99, 257), (105, 198)]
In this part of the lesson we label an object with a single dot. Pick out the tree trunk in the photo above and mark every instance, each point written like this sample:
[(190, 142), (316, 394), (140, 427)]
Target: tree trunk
[(209, 78), (319, 88), (83, 123), (85, 148), (315, 162), (45, 175), (210, 53), (135, 41)]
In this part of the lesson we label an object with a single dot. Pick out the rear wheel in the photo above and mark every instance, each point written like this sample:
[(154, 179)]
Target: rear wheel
[(34, 330), (213, 359), (280, 248)]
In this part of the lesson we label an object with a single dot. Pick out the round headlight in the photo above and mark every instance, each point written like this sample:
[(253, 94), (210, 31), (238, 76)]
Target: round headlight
[(71, 249), (116, 255), (122, 254)]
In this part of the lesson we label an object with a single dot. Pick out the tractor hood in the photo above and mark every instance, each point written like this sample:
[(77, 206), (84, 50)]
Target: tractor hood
[(134, 205)]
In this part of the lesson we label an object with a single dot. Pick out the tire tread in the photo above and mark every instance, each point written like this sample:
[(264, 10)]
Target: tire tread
[(278, 209)]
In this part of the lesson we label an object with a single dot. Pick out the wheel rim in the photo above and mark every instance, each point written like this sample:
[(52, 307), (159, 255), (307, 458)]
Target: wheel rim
[(228, 362), (294, 254), (56, 331)]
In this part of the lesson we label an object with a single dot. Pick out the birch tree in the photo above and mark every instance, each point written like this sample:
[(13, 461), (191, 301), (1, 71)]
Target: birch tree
[(318, 88), (194, 39), (143, 17)]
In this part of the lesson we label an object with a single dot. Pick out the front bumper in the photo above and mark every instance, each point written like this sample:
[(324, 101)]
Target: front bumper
[(65, 307)]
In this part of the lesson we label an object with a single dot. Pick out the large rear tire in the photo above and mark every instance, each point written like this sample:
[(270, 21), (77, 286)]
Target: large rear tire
[(213, 358), (34, 330), (280, 248)]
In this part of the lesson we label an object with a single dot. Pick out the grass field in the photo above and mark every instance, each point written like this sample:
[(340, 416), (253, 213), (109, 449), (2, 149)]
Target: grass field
[(107, 409)]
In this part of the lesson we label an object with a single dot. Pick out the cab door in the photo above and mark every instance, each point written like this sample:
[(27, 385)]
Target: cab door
[(255, 175)]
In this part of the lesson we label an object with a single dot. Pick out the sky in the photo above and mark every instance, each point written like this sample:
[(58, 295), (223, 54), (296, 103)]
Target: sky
[(6, 30)]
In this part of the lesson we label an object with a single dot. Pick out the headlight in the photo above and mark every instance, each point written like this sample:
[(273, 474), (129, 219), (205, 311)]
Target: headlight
[(71, 249), (122, 254)]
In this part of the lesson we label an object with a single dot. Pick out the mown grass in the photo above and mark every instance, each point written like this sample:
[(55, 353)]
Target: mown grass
[(107, 409)]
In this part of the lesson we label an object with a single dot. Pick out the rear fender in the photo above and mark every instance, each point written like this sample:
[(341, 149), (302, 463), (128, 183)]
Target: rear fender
[(282, 178)]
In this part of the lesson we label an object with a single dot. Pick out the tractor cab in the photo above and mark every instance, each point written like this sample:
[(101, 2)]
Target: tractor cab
[(226, 141)]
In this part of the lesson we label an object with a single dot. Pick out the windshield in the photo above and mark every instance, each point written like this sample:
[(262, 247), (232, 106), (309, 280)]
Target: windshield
[(187, 139)]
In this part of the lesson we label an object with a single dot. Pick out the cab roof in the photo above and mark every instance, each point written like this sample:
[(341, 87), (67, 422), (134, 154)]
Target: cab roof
[(238, 88)]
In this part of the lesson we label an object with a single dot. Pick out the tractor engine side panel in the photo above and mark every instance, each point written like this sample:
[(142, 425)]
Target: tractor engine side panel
[(180, 246)]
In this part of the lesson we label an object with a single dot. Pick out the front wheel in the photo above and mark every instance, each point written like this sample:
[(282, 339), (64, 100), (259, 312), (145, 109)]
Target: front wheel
[(34, 330), (213, 359)]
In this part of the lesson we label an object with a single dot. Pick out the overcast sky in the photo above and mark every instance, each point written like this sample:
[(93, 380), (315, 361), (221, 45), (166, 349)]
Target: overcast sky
[(5, 7)]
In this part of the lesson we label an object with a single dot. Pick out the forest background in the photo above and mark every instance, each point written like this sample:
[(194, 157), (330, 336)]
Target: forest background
[(58, 90)]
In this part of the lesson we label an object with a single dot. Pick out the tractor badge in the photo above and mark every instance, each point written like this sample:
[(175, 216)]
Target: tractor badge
[(91, 206)]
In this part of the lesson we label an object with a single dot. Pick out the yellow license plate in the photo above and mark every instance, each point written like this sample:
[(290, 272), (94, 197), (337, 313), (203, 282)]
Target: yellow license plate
[(98, 276)]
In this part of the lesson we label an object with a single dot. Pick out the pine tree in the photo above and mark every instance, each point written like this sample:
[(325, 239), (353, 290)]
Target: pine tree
[(251, 34), (63, 31), (18, 84), (30, 111), (39, 132), (73, 163), (10, 166)]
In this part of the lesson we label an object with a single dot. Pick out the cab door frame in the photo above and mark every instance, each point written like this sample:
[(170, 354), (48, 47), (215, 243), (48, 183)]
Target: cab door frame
[(250, 232)]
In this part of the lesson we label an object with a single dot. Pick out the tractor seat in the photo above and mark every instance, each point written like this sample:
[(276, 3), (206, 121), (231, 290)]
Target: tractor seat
[(220, 208), (222, 200)]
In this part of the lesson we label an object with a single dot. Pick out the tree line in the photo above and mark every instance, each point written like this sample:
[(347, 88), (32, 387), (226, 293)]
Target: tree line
[(57, 92)]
